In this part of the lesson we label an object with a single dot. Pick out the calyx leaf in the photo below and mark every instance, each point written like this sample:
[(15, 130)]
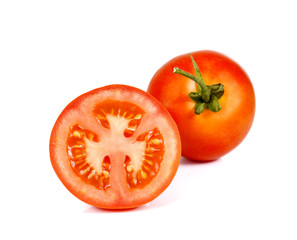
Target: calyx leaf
[(207, 96)]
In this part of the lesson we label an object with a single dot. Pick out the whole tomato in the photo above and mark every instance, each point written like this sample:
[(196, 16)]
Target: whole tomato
[(212, 100)]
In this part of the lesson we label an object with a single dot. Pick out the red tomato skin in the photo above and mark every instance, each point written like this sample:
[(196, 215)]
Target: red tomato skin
[(110, 199), (210, 135)]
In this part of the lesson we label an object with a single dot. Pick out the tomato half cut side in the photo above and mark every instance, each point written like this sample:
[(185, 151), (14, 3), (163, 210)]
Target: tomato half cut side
[(115, 147)]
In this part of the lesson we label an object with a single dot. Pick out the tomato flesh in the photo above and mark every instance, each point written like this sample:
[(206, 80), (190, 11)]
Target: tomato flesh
[(124, 118), (117, 153), (91, 170)]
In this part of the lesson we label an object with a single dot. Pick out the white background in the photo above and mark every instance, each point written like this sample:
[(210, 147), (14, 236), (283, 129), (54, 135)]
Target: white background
[(53, 51)]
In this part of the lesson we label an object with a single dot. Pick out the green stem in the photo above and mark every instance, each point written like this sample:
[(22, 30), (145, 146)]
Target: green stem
[(207, 96), (205, 91), (196, 68)]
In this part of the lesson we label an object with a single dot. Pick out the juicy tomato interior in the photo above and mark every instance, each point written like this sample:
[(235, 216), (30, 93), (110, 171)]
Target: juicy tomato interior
[(84, 146), (118, 153)]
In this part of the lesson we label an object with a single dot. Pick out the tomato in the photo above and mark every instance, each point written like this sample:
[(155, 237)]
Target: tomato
[(206, 134), (115, 147)]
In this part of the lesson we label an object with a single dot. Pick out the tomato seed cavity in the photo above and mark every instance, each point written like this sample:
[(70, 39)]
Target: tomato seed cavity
[(78, 158), (93, 165)]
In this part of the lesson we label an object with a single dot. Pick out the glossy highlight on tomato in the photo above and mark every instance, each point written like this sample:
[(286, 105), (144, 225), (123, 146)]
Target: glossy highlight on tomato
[(206, 135), (115, 147)]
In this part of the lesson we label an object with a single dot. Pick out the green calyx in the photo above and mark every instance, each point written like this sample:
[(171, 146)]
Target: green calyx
[(207, 96)]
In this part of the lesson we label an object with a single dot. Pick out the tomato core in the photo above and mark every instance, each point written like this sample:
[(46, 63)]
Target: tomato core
[(121, 118)]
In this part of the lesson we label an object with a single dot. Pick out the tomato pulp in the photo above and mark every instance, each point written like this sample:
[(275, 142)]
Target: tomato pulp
[(115, 147), (209, 135)]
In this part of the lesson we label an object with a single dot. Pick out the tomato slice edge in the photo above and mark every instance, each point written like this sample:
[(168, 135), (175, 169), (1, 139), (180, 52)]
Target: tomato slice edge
[(111, 199)]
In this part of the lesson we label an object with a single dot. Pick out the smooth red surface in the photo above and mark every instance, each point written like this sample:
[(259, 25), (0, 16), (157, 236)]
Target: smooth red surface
[(210, 135)]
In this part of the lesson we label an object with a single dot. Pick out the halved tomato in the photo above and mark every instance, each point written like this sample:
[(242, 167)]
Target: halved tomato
[(115, 147)]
